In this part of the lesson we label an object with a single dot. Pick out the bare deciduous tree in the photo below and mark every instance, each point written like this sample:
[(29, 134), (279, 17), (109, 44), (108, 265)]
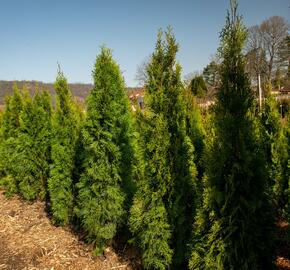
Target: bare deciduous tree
[(273, 34), (141, 73), (267, 50), (256, 55)]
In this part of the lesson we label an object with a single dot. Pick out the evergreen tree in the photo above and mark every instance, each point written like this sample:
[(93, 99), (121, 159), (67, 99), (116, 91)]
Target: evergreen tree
[(211, 73), (163, 207), (106, 141), (148, 216), (9, 138), (1, 120), (233, 227), (34, 146), (13, 107), (197, 86), (275, 143), (195, 129), (65, 126)]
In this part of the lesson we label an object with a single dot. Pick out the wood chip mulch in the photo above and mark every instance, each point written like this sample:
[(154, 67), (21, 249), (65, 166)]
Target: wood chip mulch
[(283, 249), (28, 241)]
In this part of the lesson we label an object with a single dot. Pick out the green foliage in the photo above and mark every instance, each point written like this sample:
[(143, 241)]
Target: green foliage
[(106, 175), (7, 166), (33, 146), (233, 228), (167, 177), (65, 129), (149, 219), (25, 145), (9, 140), (195, 129), (197, 86), (211, 73), (13, 107), (153, 231), (275, 144)]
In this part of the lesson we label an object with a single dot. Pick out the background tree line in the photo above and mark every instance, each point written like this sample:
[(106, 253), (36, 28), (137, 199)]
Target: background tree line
[(267, 53)]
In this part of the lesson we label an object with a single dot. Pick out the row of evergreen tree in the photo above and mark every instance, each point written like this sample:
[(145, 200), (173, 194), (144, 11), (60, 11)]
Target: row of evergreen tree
[(191, 191)]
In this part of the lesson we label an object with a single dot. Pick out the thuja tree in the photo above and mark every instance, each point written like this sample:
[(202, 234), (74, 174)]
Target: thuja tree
[(1, 119), (65, 127), (106, 133), (13, 107), (163, 206), (149, 221), (197, 86), (275, 143), (233, 229), (34, 146), (9, 137), (195, 129)]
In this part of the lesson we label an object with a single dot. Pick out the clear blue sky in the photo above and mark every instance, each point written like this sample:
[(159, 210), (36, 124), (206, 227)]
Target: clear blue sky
[(36, 34)]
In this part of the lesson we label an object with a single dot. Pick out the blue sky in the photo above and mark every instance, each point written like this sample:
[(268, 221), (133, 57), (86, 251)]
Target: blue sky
[(36, 34)]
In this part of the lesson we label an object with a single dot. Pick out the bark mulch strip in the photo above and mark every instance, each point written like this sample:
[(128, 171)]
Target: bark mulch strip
[(28, 240)]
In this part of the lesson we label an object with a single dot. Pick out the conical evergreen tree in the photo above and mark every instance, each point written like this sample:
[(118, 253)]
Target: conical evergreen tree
[(275, 143), (65, 130), (13, 107), (9, 134), (105, 135), (1, 124), (148, 217), (34, 146), (164, 202), (195, 129), (233, 230)]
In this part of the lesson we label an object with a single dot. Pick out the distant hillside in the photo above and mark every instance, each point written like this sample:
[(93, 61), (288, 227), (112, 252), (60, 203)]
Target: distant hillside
[(79, 90)]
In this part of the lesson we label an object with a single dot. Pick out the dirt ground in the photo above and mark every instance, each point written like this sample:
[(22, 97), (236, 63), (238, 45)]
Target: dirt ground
[(283, 258), (28, 241)]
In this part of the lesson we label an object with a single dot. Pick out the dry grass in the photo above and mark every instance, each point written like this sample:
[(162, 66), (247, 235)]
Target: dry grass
[(29, 241)]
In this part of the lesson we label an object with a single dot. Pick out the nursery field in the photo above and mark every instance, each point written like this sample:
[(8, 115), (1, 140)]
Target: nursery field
[(189, 174)]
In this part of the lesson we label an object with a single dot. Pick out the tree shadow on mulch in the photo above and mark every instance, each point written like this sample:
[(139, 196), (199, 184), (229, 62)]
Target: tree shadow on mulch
[(283, 245)]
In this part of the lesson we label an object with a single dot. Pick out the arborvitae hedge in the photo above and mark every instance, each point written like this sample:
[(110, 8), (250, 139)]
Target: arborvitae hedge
[(195, 129), (275, 144), (13, 107), (34, 146), (228, 226), (233, 229), (9, 140), (168, 180), (105, 135), (65, 131), (149, 218)]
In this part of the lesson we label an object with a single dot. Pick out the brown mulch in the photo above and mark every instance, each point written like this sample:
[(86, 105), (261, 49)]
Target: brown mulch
[(283, 258), (28, 241)]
